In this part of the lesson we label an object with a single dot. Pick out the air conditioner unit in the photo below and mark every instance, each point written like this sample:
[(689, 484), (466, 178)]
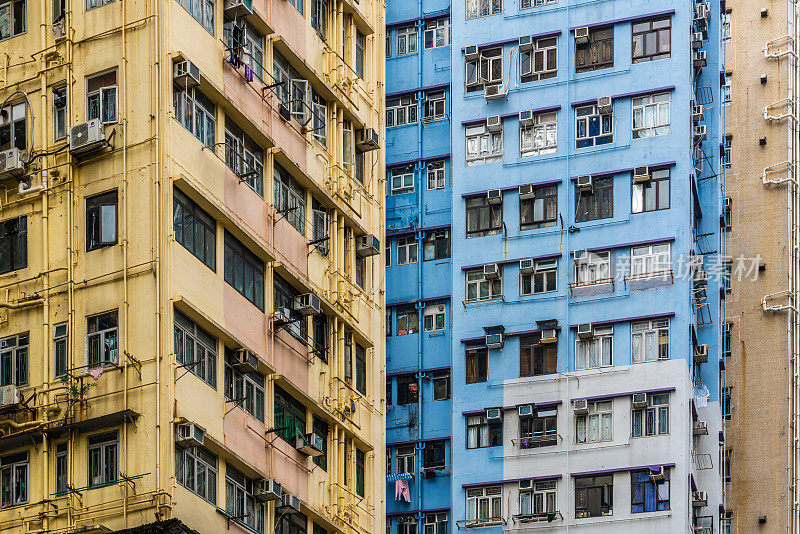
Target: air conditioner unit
[(189, 435), (86, 138), (580, 406), (658, 476), (605, 105), (238, 8), (641, 174), (495, 91), (703, 11), (585, 330), (700, 428), (291, 501), (491, 271), (525, 43), (494, 197), (701, 353), (728, 203), (245, 361), (580, 254), (639, 400), (697, 40), (549, 335), (494, 123), (9, 396), (697, 112), (494, 341), (307, 304), (471, 52), (367, 140), (699, 499), (526, 191), (268, 489), (526, 484), (526, 266), (185, 74), (699, 132), (493, 414), (526, 117), (11, 163), (525, 410), (584, 182), (309, 444), (282, 316), (700, 277), (699, 59), (696, 262), (582, 35), (367, 245)]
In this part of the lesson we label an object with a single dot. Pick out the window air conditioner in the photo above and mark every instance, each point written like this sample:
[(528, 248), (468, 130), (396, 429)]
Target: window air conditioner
[(526, 117), (525, 43), (526, 484), (639, 400), (494, 196), (525, 410), (367, 140), (641, 174), (367, 245), (697, 40), (185, 74), (699, 132), (9, 396), (585, 330), (86, 138), (308, 304), (282, 316), (189, 435), (238, 8), (699, 59), (491, 271), (245, 361), (699, 499), (579, 255), (494, 123), (580, 406), (291, 501), (268, 489), (526, 266), (605, 106), (11, 163), (494, 341), (582, 35), (549, 335), (700, 277), (703, 10), (493, 414), (697, 112), (526, 191), (495, 91), (584, 182), (700, 428), (471, 52), (658, 476), (309, 444), (701, 353)]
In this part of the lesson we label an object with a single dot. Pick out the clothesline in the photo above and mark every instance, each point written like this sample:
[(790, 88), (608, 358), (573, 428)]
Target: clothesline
[(399, 476)]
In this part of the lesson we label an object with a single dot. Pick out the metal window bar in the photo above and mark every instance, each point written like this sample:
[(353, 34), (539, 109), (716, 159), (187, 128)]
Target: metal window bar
[(780, 48), (784, 169), (782, 109), (789, 305)]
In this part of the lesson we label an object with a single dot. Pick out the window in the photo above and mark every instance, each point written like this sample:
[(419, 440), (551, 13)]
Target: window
[(593, 496), (727, 337), (407, 40), (292, 89), (319, 17), (14, 473), (483, 8), (361, 369), (441, 385), (727, 145), (540, 61), (102, 336), (537, 358), (196, 112), (539, 208), (319, 327), (360, 472), (103, 456), (319, 119), (406, 524), (727, 393), (725, 524), (321, 227), (244, 271), (485, 505), (705, 524), (483, 218), (101, 221), (595, 426), (403, 180), (60, 348), (290, 199), (480, 288), (195, 349), (14, 125), (244, 157), (487, 69), (62, 467), (593, 128), (436, 175), (541, 136), (727, 465), (298, 5), (437, 33), (726, 88), (650, 260), (407, 389), (13, 244), (14, 356), (434, 107), (653, 194), (240, 500), (436, 245), (540, 498), (400, 111), (290, 416), (598, 203), (593, 268), (101, 97), (435, 523), (12, 13), (650, 115), (652, 420), (283, 297), (196, 470), (540, 430), (433, 318), (406, 459), (598, 52), (477, 366), (595, 352), (320, 428), (361, 47), (247, 46), (389, 403), (388, 43), (407, 250), (59, 112), (433, 455), (245, 390), (195, 229), (647, 495), (525, 4), (201, 10), (726, 26), (651, 40), (294, 523), (650, 340), (407, 320), (543, 279)]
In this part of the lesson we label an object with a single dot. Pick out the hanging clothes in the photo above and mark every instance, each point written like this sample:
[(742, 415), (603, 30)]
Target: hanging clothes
[(401, 491), (248, 73)]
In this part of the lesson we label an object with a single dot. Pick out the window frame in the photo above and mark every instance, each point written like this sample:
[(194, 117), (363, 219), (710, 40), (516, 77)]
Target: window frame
[(105, 115), (477, 365), (436, 245), (408, 317), (482, 218), (660, 104), (289, 198), (540, 429), (14, 244), (641, 202), (434, 106), (236, 253), (653, 420), (638, 30), (204, 15), (491, 288), (102, 343), (543, 52), (599, 411), (403, 179), (660, 329), (193, 109), (407, 40), (651, 262), (599, 489), (407, 249), (437, 316), (604, 338), (402, 111), (483, 146), (439, 32), (102, 442), (588, 119), (200, 223), (594, 269), (483, 8), (17, 27), (545, 126), (15, 468), (437, 174), (642, 483), (599, 45), (548, 196), (541, 358), (540, 498), (98, 216), (188, 334), (204, 465), (484, 505), (60, 349)]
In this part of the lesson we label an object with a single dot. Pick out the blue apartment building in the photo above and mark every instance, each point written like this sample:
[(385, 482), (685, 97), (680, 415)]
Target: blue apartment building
[(556, 273)]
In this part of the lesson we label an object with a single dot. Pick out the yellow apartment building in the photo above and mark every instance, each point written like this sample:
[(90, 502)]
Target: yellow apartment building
[(191, 289)]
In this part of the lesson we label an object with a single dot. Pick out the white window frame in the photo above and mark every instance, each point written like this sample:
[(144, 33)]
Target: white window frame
[(548, 266), (641, 331), (650, 115), (482, 502), (407, 461), (435, 106), (482, 145), (727, 151), (725, 27), (541, 498), (594, 269), (541, 47), (406, 524), (650, 260), (436, 175), (439, 31), (103, 447), (407, 250), (100, 94), (592, 111), (653, 412), (402, 179), (541, 137), (475, 277), (603, 340), (725, 90), (434, 312), (100, 338), (483, 8), (592, 423), (432, 522), (407, 40), (527, 4), (401, 111)]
